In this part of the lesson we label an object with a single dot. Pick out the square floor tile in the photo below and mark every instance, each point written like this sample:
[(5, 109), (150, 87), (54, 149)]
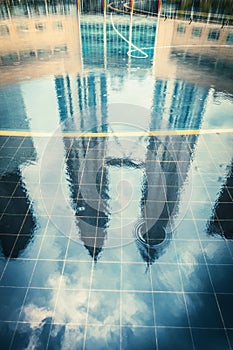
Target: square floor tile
[(195, 278), (137, 309), (104, 308), (217, 252), (71, 306), (17, 273), (174, 338), (53, 248), (77, 275), (226, 307), (203, 310), (106, 276), (112, 253), (170, 310), (166, 277), (138, 338), (130, 277), (189, 252), (186, 230), (11, 302), (32, 248), (39, 305), (102, 338), (131, 253), (47, 274), (6, 334), (210, 339), (221, 276), (77, 251)]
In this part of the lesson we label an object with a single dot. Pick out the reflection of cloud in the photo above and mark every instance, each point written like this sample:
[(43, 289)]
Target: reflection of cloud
[(34, 314)]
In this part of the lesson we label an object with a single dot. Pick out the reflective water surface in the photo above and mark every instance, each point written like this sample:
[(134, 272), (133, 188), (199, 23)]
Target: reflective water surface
[(116, 176)]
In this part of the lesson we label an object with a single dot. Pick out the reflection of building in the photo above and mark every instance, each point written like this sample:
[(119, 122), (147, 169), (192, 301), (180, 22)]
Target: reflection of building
[(88, 183), (17, 221), (88, 189), (39, 45), (76, 95), (166, 168), (192, 51), (221, 221), (177, 105)]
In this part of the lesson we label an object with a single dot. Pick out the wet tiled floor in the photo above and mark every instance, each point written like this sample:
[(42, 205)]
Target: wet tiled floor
[(78, 275), (116, 187)]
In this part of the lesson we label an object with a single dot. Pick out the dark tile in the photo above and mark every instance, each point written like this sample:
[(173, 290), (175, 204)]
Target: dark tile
[(8, 186), (17, 273), (6, 334), (3, 204), (230, 336), (11, 223), (11, 302), (210, 339), (203, 310), (138, 338), (170, 310), (174, 338), (226, 307), (3, 140), (102, 338), (221, 276), (14, 141), (17, 206), (195, 278), (137, 309), (136, 277), (8, 151)]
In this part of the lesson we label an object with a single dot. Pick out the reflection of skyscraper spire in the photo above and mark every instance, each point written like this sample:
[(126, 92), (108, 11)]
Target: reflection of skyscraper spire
[(88, 188), (221, 221), (88, 180), (173, 154)]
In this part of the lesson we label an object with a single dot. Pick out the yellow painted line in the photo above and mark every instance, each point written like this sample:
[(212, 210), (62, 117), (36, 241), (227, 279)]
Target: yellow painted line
[(114, 134)]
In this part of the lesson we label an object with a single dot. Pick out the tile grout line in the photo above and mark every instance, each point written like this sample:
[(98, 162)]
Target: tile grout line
[(94, 250), (61, 280)]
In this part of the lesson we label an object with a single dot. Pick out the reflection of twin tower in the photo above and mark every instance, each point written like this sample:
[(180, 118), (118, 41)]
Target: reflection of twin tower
[(166, 161)]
